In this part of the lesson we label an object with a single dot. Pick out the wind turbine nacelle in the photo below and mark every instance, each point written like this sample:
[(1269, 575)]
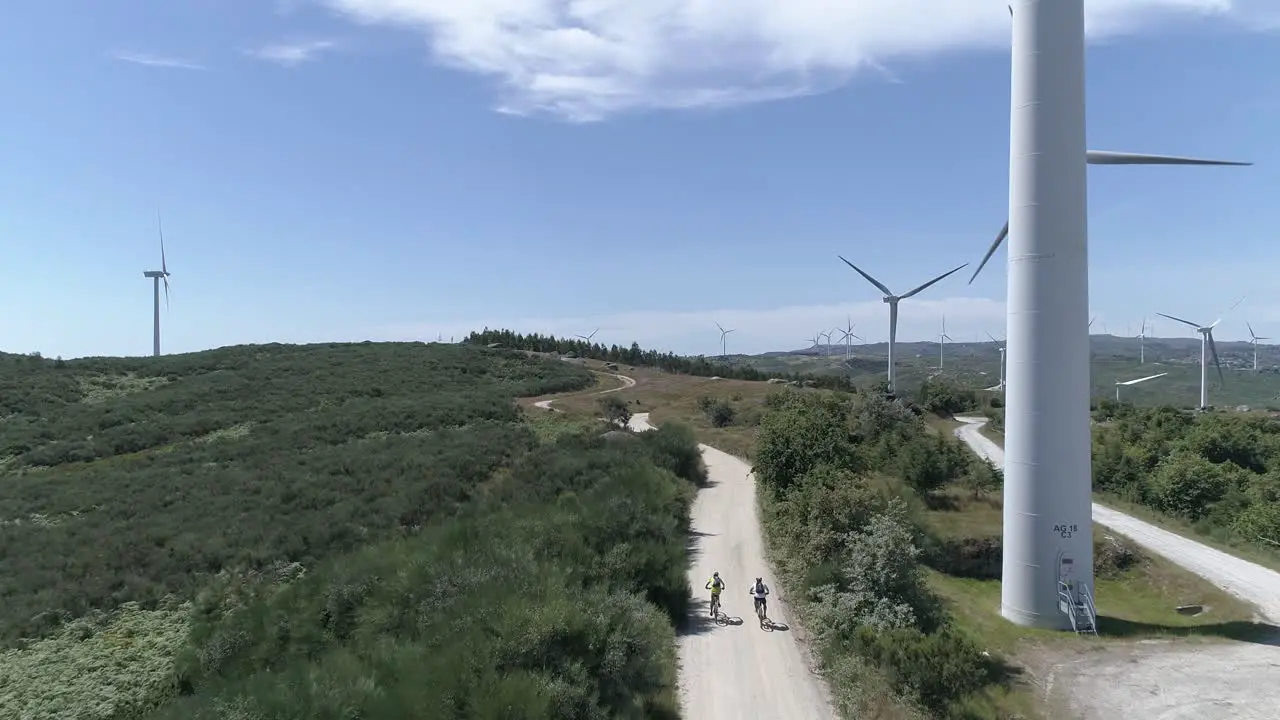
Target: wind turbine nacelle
[(153, 273)]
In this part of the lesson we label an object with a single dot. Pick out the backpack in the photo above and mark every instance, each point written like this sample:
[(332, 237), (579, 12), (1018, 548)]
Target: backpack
[(759, 587)]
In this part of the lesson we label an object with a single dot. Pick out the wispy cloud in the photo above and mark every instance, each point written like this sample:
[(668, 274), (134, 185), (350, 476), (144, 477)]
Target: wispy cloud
[(588, 59), (163, 61), (292, 54)]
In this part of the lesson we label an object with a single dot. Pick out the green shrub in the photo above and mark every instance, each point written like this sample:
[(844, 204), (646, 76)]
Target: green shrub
[(718, 411), (937, 669)]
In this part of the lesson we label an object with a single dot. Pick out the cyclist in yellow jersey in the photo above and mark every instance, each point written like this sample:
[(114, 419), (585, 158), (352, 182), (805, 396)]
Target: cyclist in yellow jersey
[(715, 585)]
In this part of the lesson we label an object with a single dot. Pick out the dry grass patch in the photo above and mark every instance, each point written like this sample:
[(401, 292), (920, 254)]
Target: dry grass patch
[(669, 396)]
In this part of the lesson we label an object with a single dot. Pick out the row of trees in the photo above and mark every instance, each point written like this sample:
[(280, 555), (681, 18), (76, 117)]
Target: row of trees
[(841, 485), (1218, 470), (667, 362)]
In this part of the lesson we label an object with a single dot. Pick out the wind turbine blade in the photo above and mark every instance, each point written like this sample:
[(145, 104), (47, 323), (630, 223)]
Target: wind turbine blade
[(940, 277), (719, 328), (870, 279), (1143, 379), (166, 291), (1213, 348), (1184, 322), (726, 332), (1107, 157), (1252, 334), (1004, 232), (1095, 317), (164, 267), (993, 338)]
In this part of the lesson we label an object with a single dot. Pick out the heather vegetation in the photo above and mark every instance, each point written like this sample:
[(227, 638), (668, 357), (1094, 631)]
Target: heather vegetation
[(309, 531), (843, 485), (1219, 471)]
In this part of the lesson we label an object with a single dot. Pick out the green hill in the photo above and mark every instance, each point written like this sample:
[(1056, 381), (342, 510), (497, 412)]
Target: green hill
[(310, 531)]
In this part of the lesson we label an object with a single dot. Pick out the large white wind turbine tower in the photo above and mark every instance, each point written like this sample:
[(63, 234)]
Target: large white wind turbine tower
[(1048, 536), (723, 334), (1253, 340), (1120, 384), (892, 301), (943, 337), (156, 277)]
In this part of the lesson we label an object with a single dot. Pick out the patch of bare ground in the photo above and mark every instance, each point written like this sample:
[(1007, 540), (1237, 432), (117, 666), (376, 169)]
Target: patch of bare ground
[(1159, 679)]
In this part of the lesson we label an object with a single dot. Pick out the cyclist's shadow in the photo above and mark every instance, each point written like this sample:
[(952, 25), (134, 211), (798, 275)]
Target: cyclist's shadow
[(699, 619)]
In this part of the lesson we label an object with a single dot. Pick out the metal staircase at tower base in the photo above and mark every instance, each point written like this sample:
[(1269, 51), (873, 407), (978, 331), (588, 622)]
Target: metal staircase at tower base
[(1076, 602)]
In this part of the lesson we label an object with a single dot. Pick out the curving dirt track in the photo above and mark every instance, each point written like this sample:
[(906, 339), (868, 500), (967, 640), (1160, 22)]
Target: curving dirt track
[(738, 670), (627, 382)]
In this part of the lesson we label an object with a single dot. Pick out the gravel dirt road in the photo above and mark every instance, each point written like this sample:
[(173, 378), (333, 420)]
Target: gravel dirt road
[(1166, 679), (626, 383), (738, 670)]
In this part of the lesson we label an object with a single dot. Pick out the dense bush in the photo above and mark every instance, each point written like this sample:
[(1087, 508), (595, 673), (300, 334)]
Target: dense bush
[(720, 412), (615, 410), (530, 605), (333, 524), (1218, 470), (944, 397), (836, 477)]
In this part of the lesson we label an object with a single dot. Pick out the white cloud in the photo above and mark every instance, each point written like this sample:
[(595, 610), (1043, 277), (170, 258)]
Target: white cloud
[(292, 54), (694, 332), (587, 59), (157, 60)]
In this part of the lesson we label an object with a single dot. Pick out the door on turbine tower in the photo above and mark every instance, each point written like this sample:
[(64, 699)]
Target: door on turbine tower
[(1066, 582)]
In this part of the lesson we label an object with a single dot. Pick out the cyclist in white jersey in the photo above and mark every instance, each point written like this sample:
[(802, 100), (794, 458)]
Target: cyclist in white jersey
[(759, 591)]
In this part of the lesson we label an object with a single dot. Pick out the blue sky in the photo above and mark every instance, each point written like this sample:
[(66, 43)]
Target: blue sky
[(399, 169)]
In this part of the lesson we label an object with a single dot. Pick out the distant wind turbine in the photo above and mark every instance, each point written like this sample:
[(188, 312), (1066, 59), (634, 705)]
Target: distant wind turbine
[(1142, 343), (723, 333), (892, 301), (1120, 384), (156, 276), (587, 338), (847, 337), (1207, 347), (826, 347), (943, 337), (1000, 347), (1253, 340)]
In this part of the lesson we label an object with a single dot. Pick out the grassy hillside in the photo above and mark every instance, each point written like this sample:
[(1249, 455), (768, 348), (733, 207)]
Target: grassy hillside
[(976, 365), (307, 531)]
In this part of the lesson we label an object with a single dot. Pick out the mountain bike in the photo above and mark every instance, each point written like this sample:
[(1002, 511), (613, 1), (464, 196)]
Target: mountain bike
[(762, 613)]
